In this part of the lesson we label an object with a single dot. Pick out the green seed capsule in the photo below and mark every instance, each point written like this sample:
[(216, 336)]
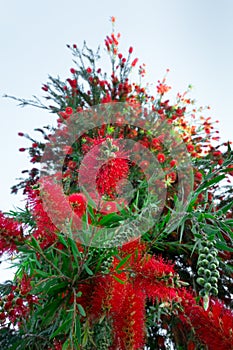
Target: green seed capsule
[(214, 291), (201, 281), (209, 257), (214, 252), (213, 280), (204, 243), (207, 273), (207, 286), (205, 250), (202, 292), (212, 266), (215, 273), (201, 257), (203, 263), (201, 271), (210, 244)]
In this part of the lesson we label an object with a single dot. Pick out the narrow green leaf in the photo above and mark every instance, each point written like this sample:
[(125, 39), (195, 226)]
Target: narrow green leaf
[(223, 246), (88, 270), (213, 181), (118, 280), (56, 287), (123, 261), (81, 310), (63, 329), (42, 273)]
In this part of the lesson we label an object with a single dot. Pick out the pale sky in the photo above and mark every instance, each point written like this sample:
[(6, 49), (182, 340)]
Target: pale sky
[(193, 38)]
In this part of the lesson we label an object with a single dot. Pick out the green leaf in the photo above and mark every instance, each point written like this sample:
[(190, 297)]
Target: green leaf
[(223, 246), (110, 218), (74, 249), (34, 243), (57, 287), (118, 279), (66, 345), (213, 181), (42, 273), (81, 310), (88, 270), (224, 209), (123, 261), (62, 240), (63, 329)]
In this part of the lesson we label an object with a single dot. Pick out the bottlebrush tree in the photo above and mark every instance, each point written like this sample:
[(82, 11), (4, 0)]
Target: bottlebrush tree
[(125, 241)]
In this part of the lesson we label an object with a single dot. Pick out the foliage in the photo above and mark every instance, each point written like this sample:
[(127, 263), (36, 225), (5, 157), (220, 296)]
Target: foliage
[(170, 287)]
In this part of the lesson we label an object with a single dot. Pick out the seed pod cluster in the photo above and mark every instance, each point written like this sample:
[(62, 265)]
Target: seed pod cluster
[(106, 265), (207, 265)]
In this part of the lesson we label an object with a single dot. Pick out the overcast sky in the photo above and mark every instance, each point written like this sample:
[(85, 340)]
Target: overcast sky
[(191, 37)]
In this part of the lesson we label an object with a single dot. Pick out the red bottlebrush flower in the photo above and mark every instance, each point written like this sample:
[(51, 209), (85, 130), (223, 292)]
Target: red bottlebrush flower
[(56, 207), (173, 163), (2, 316), (190, 148), (10, 296), (69, 110), (113, 19), (230, 167), (108, 207), (120, 56), (72, 164), (172, 176), (161, 158), (156, 144), (10, 234), (220, 161), (217, 153), (45, 87), (8, 305), (74, 46), (20, 134), (130, 50), (144, 164), (19, 301), (163, 88), (214, 326), (133, 64), (129, 320), (79, 202), (134, 247), (73, 83), (22, 149), (110, 174), (25, 285), (89, 70), (72, 70), (198, 176)]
